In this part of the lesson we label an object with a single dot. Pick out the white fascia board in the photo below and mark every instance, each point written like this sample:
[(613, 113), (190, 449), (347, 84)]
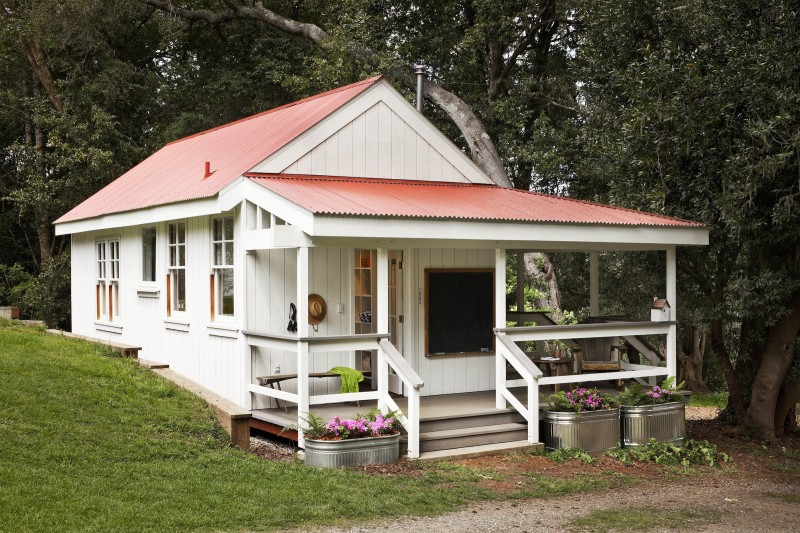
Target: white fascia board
[(150, 215), (380, 92), (509, 234), (276, 204)]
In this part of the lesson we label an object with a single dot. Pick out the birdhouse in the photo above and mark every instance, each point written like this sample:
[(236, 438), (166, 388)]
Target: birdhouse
[(659, 310)]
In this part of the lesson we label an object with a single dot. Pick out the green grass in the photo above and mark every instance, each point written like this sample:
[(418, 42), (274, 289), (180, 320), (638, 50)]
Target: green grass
[(538, 486), (643, 519), (788, 498), (90, 442), (713, 399)]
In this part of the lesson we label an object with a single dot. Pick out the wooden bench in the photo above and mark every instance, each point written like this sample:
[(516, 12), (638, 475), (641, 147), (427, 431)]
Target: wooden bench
[(274, 382)]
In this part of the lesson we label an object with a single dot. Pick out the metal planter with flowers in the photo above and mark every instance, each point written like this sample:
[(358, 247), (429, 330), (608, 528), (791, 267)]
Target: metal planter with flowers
[(363, 440), (583, 418), (652, 414)]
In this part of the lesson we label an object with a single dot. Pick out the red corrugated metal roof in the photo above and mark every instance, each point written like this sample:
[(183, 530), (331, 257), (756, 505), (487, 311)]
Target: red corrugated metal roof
[(175, 173), (329, 195)]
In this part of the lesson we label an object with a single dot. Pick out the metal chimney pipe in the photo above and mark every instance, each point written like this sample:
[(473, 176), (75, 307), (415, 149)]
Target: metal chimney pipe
[(421, 71)]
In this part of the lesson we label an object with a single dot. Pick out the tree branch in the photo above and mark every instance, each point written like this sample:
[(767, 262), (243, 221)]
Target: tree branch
[(483, 150)]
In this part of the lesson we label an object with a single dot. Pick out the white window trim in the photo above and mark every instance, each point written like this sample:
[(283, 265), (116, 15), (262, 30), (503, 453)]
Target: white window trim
[(172, 270), (216, 272), (107, 276)]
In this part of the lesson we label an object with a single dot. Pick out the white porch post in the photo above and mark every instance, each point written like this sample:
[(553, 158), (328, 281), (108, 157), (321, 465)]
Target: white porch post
[(302, 346), (672, 298), (499, 322), (594, 284), (383, 324)]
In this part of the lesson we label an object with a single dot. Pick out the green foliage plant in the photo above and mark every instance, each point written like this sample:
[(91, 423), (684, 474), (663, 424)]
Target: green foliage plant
[(636, 395), (563, 455), (692, 452), (372, 424), (579, 401)]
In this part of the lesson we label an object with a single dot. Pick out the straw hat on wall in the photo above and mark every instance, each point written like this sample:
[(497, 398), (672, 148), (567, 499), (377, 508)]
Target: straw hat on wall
[(317, 309)]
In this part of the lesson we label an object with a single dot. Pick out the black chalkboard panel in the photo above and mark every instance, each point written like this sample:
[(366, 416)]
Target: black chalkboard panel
[(459, 311)]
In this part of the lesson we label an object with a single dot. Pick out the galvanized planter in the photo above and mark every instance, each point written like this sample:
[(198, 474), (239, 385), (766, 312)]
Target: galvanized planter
[(352, 452), (592, 431), (665, 422)]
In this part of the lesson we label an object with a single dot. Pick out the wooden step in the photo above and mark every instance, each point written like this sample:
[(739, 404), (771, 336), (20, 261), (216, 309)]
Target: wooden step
[(481, 450), (488, 418), (449, 439)]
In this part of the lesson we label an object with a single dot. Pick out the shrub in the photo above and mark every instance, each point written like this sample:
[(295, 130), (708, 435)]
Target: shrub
[(693, 452), (48, 297)]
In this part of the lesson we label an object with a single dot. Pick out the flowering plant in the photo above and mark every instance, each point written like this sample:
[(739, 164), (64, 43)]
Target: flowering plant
[(579, 401), (636, 395), (373, 424)]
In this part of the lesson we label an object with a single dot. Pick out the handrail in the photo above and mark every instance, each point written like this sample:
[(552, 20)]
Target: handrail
[(400, 365), (521, 362), (388, 356)]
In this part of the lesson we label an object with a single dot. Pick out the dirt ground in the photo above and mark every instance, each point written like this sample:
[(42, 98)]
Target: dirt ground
[(758, 491)]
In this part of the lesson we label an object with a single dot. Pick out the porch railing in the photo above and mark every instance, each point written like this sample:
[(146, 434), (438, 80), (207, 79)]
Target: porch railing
[(388, 357), (532, 377)]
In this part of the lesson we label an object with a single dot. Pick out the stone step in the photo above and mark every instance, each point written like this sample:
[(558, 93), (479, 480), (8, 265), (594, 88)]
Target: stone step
[(449, 439), (481, 450)]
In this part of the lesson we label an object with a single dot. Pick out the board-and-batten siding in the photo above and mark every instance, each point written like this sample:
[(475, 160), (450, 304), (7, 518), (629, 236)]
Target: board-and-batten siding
[(446, 374), (272, 276), (377, 144), (200, 353)]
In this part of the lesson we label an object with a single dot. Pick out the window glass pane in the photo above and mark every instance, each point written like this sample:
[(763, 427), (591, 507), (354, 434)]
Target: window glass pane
[(149, 254), (228, 228), (227, 291), (217, 229), (181, 232), (172, 256), (228, 253), (182, 255), (180, 290), (172, 234), (217, 253)]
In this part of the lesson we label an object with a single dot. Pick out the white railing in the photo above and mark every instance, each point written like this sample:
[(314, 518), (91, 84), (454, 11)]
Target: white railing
[(532, 377), (388, 357), (509, 352)]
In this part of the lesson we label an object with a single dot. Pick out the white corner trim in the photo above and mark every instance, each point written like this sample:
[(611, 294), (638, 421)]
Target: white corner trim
[(176, 324), (109, 327)]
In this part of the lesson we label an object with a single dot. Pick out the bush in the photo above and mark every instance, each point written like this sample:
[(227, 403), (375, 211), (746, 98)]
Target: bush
[(48, 297), (693, 452), (14, 283)]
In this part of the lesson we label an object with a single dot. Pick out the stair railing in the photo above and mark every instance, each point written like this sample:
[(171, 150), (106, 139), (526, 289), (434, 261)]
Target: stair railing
[(388, 356), (509, 352)]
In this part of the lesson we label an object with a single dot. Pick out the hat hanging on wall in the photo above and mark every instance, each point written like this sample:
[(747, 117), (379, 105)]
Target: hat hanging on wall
[(317, 309)]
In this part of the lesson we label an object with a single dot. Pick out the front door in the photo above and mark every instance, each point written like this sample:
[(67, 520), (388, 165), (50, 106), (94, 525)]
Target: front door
[(396, 312)]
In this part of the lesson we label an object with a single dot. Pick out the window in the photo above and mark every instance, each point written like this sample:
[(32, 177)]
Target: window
[(107, 290), (222, 297), (176, 279), (149, 254)]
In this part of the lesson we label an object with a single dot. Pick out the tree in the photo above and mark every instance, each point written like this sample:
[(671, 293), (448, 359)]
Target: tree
[(693, 109)]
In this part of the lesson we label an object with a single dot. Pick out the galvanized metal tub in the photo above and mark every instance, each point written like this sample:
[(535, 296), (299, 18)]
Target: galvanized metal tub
[(665, 422), (592, 431), (352, 452)]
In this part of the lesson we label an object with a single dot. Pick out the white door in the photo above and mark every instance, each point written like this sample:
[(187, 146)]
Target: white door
[(396, 312)]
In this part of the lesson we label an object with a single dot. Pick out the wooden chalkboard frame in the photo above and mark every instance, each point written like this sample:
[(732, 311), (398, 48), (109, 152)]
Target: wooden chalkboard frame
[(428, 272)]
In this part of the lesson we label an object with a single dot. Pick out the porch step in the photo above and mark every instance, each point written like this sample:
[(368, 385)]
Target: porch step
[(449, 439), (480, 451), (471, 420)]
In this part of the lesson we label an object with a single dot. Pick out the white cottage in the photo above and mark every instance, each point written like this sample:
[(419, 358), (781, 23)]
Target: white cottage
[(200, 254)]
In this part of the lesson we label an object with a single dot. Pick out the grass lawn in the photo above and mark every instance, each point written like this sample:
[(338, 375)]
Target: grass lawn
[(93, 442)]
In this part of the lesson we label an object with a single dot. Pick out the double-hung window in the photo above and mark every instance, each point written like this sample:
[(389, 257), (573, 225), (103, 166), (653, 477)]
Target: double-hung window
[(222, 293), (176, 279), (107, 270)]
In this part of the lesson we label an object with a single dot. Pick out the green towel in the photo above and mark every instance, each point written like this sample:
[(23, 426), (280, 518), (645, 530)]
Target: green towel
[(350, 378)]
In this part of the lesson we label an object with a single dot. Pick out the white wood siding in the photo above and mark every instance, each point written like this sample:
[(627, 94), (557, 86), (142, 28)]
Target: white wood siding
[(445, 374), (377, 144), (202, 353)]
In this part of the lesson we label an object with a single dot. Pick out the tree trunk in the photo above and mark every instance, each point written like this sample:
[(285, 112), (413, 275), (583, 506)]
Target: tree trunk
[(693, 347), (785, 411), (548, 274), (735, 400), (776, 358)]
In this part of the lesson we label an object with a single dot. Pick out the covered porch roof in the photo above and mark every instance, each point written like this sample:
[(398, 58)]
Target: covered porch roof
[(325, 210)]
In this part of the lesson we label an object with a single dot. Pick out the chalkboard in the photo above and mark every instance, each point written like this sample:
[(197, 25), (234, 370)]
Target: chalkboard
[(459, 311)]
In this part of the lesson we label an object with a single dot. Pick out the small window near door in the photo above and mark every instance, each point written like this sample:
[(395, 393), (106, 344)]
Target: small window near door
[(149, 254), (222, 290), (176, 280)]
